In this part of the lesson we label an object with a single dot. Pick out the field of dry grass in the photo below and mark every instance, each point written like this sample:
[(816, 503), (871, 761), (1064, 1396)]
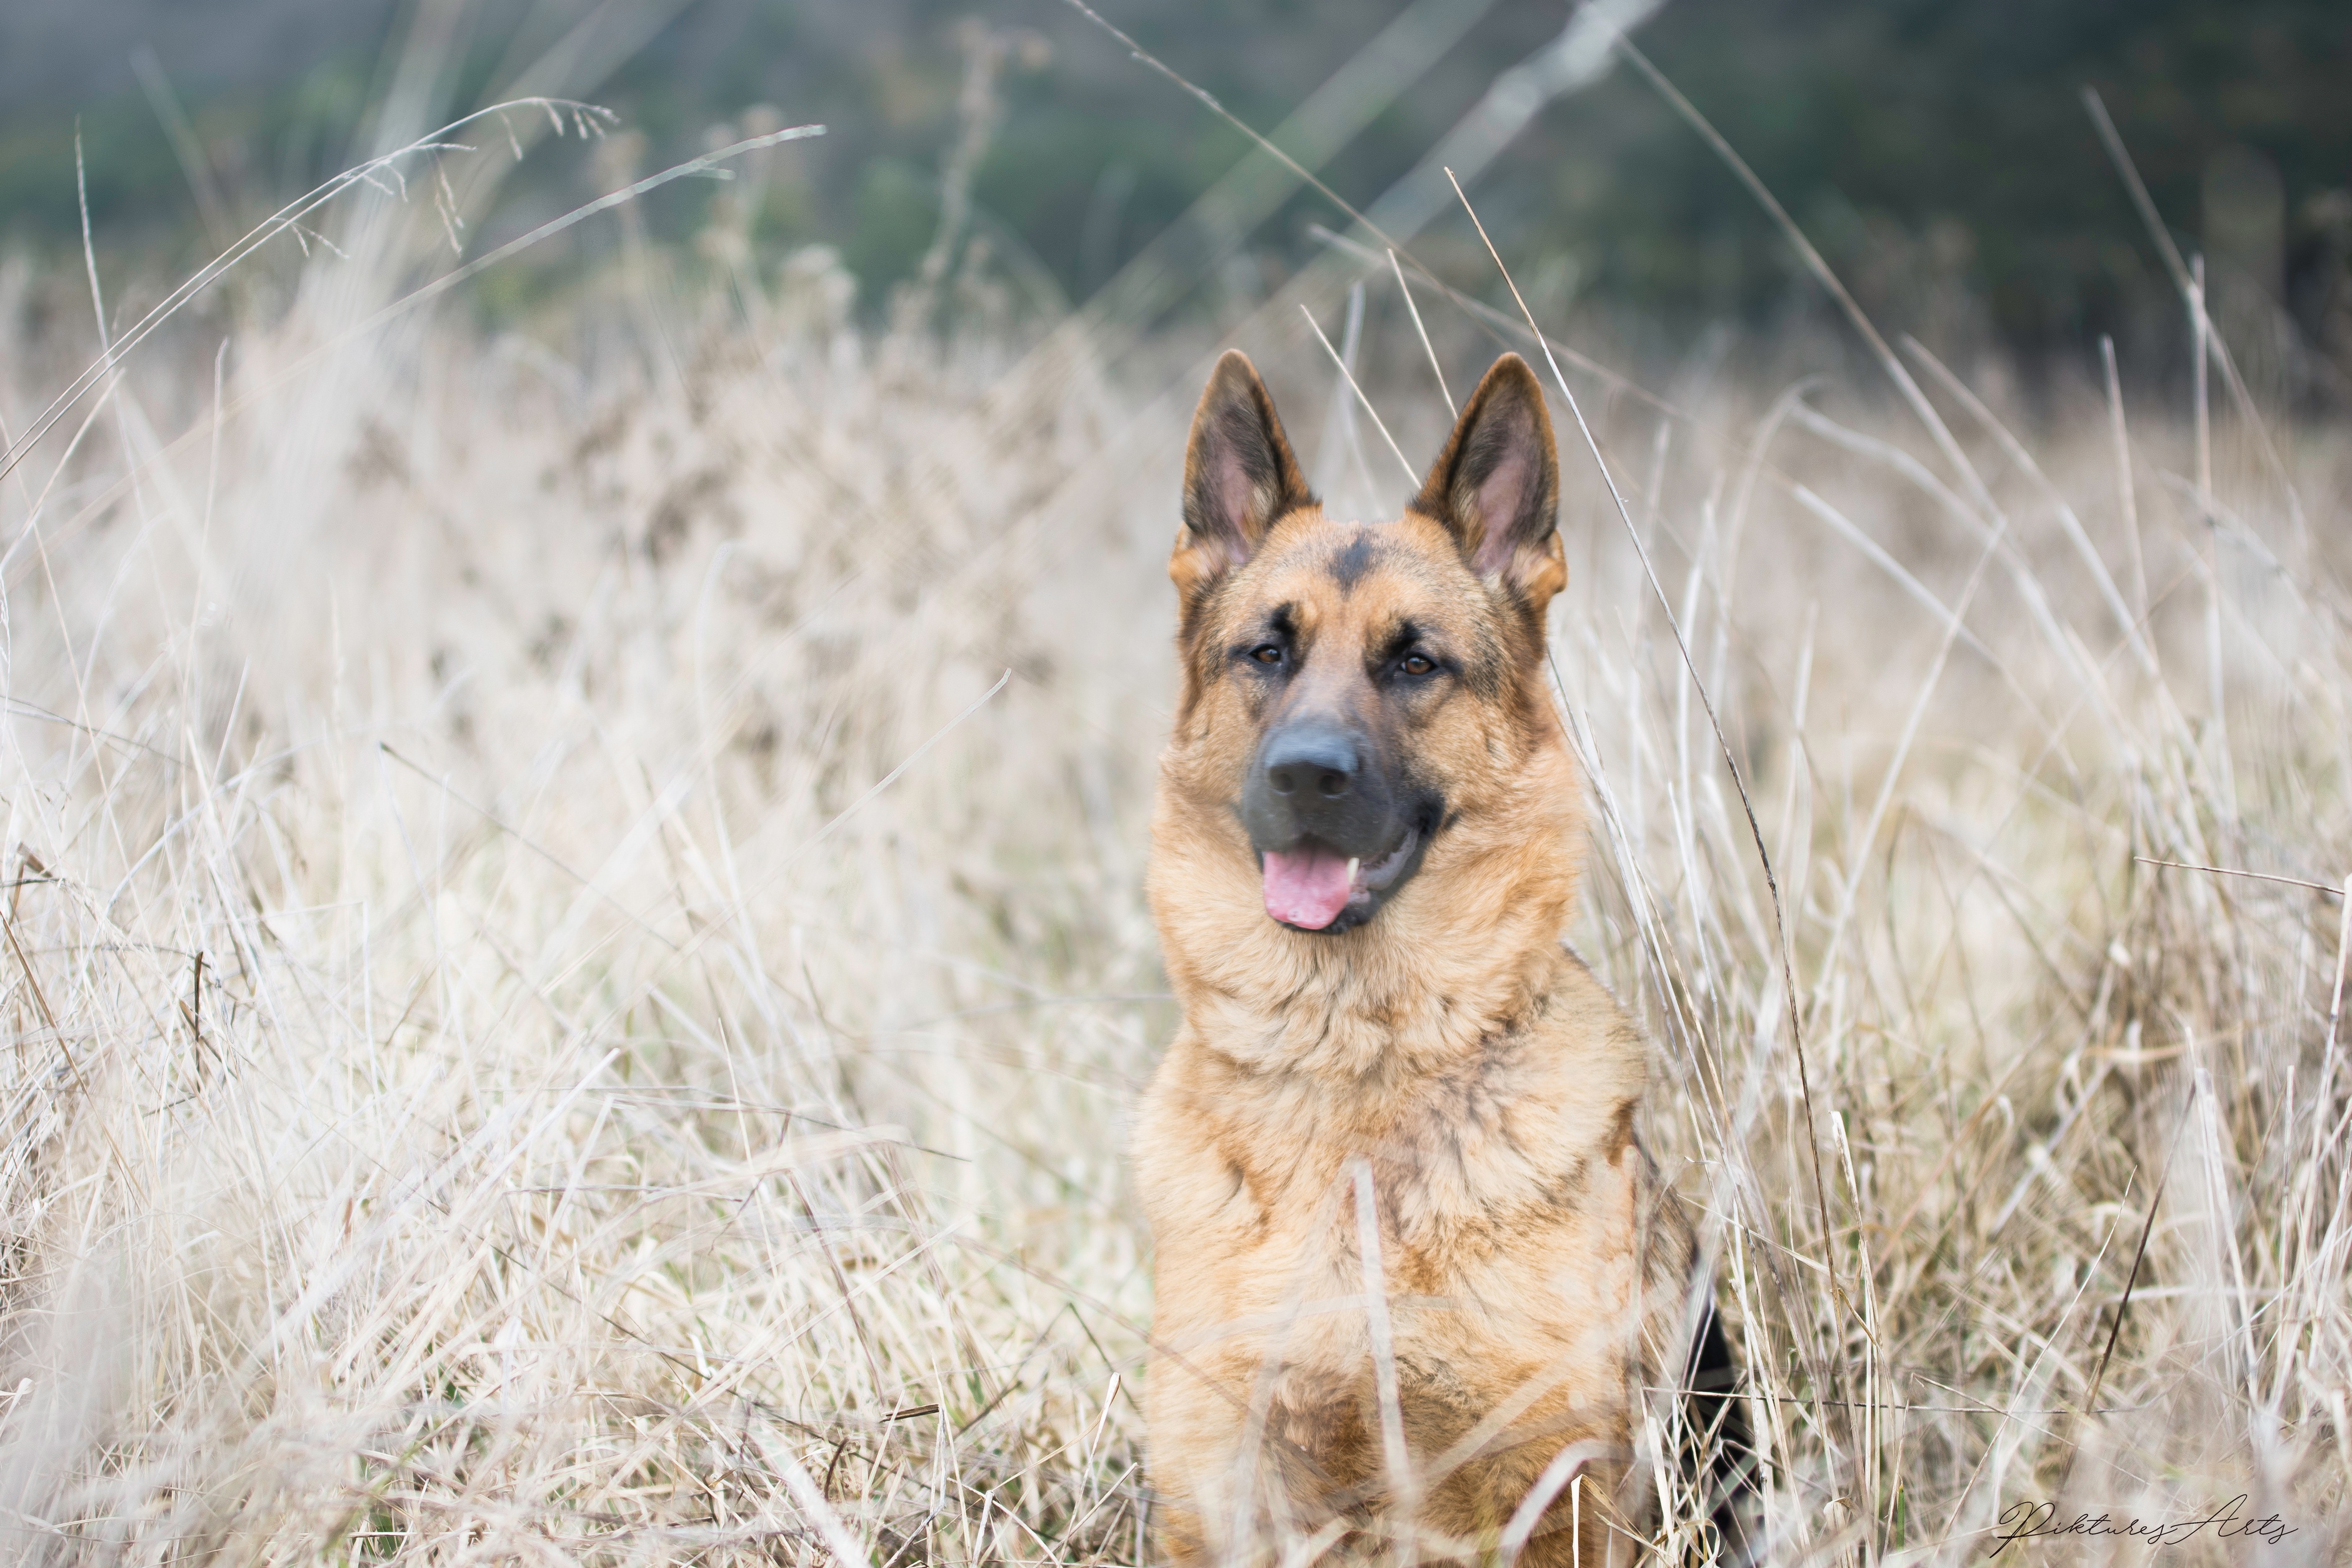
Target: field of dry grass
[(575, 963)]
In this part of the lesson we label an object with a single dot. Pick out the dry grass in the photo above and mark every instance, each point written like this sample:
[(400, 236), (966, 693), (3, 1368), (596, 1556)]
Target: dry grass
[(576, 961)]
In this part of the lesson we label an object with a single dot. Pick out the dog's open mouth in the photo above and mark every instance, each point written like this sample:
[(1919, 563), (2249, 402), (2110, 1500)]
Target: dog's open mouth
[(1317, 889)]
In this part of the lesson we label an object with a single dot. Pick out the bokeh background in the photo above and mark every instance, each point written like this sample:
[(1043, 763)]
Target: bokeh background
[(1940, 156)]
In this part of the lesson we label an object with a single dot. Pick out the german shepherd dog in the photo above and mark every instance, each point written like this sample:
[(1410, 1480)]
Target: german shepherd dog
[(1410, 1260)]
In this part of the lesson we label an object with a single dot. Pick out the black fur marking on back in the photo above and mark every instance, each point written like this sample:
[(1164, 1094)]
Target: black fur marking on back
[(1720, 1446)]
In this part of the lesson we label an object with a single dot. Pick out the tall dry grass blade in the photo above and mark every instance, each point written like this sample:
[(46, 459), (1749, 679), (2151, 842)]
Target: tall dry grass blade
[(1404, 1483), (1567, 1467), (1422, 332), (2126, 491), (1350, 377), (2189, 281)]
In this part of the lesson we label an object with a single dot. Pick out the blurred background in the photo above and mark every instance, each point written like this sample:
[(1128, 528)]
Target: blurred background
[(1940, 156)]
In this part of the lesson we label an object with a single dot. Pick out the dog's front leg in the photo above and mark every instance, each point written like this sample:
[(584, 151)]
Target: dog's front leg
[(1248, 1462)]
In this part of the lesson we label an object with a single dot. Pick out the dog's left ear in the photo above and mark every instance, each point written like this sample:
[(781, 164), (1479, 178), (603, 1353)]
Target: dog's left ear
[(1497, 486)]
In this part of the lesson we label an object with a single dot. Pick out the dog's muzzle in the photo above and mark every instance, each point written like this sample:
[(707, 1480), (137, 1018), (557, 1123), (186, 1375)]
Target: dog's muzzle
[(1333, 838)]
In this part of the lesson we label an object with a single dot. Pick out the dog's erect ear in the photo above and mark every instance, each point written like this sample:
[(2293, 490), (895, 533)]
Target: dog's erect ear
[(1239, 477), (1497, 486)]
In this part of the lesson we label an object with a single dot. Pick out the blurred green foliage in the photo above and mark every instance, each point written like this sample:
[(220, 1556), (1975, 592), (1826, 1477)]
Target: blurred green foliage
[(1938, 154)]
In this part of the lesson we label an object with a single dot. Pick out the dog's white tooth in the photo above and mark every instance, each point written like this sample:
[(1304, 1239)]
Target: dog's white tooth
[(1353, 862)]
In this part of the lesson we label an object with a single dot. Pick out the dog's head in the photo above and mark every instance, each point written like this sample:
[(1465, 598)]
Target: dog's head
[(1363, 705)]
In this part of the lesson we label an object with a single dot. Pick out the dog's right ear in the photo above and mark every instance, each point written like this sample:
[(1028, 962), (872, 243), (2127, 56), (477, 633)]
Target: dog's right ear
[(1239, 477)]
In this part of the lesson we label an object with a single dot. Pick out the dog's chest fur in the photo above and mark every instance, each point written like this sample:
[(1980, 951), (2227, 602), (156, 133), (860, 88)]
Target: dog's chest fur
[(1506, 1184)]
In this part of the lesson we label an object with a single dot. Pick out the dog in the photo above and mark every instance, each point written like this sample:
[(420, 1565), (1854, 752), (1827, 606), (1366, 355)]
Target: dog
[(1412, 1267)]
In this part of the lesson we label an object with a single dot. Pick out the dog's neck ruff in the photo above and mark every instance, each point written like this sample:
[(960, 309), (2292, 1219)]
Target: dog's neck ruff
[(1358, 1039), (1411, 994)]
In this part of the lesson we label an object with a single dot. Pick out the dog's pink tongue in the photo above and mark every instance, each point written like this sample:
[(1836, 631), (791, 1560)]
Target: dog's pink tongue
[(1305, 887)]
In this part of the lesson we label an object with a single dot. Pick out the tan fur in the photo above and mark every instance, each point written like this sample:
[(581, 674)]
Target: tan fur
[(1533, 1278)]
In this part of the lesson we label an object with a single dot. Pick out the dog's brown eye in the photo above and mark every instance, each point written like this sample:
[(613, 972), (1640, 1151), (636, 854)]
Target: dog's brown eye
[(1268, 653), (1417, 664)]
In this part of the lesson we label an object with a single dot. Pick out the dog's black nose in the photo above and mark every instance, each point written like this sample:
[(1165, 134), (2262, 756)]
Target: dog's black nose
[(1320, 778), (1310, 763)]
